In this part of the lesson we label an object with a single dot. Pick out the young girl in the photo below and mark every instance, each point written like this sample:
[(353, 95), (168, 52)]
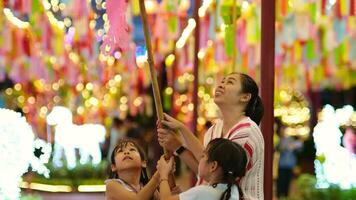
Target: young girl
[(128, 179), (241, 112), (221, 163)]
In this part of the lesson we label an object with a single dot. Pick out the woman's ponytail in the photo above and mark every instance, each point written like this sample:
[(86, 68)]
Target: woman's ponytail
[(254, 109)]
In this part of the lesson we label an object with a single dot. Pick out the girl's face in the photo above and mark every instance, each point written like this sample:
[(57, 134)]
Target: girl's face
[(205, 167), (127, 157), (228, 91)]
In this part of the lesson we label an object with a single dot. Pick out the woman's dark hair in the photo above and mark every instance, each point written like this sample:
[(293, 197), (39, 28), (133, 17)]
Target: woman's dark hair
[(122, 143), (254, 108), (232, 159)]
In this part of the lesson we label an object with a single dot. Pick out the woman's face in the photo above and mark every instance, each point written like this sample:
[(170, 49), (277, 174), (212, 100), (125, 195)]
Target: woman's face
[(127, 157), (228, 90)]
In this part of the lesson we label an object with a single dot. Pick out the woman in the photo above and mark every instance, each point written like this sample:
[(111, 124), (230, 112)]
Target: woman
[(241, 112)]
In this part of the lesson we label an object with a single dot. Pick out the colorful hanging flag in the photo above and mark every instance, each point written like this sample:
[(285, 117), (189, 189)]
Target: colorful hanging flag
[(117, 38)]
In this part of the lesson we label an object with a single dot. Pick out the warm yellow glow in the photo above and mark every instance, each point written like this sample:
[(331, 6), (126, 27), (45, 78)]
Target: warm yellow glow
[(138, 101), (55, 8), (123, 100), (190, 106), (56, 99), (31, 100), (204, 7), (67, 22), (169, 91), (118, 78), (79, 87), (178, 102), (206, 97), (55, 86), (46, 4), (92, 24), (184, 109), (52, 19), (151, 6), (9, 91), (201, 94), (87, 103), (44, 110), (62, 6), (91, 188), (170, 60), (94, 101), (113, 90), (210, 81), (80, 110), (18, 86), (183, 97), (190, 78), (54, 2), (186, 33), (201, 120), (245, 5), (110, 61), (74, 57), (14, 20), (201, 54), (181, 79), (45, 187), (85, 94), (21, 99), (102, 57), (124, 107), (25, 109), (89, 86)]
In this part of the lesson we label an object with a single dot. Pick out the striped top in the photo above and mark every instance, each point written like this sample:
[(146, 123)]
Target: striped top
[(249, 136)]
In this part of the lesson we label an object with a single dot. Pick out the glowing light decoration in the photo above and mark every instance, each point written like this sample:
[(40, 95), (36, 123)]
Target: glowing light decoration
[(16, 145), (68, 137), (334, 164)]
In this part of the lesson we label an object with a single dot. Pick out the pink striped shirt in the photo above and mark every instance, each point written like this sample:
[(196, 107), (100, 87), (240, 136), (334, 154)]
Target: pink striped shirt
[(249, 136)]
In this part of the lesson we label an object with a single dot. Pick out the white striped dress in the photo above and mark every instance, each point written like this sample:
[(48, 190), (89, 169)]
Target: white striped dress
[(249, 136)]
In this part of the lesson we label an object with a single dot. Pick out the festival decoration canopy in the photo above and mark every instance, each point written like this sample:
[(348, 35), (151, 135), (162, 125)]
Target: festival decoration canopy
[(50, 50)]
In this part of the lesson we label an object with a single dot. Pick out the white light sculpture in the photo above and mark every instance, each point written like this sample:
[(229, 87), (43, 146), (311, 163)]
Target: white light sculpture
[(68, 137), (16, 151), (334, 164), (37, 163)]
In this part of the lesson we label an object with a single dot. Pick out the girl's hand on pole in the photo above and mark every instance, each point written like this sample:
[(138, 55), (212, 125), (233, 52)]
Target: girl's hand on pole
[(164, 167), (172, 123), (169, 139)]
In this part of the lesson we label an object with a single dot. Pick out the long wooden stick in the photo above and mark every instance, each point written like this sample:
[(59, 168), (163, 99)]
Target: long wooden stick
[(153, 74), (234, 47)]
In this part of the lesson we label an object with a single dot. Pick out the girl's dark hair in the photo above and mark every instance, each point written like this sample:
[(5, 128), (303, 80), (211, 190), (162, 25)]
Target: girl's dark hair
[(254, 108), (232, 159), (122, 143)]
